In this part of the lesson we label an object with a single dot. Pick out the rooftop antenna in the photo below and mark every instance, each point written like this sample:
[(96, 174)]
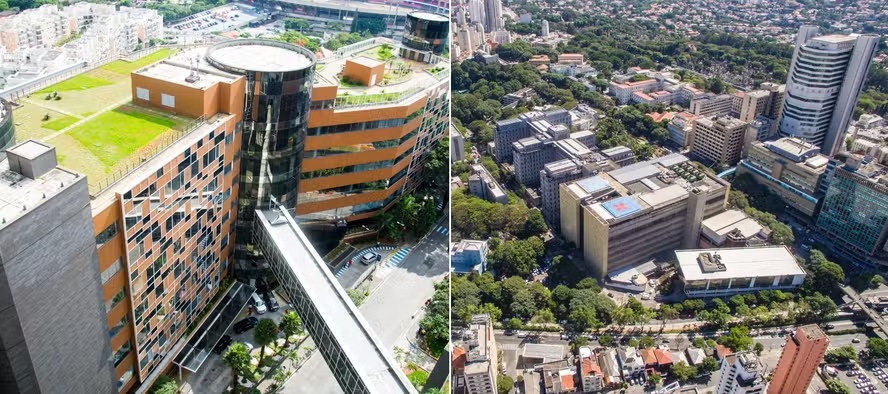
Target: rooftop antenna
[(194, 66)]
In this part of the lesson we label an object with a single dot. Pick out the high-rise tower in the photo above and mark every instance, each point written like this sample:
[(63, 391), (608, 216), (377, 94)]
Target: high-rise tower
[(802, 355), (824, 84)]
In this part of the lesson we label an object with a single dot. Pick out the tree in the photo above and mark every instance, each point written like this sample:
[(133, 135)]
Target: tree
[(518, 257), (164, 385), (877, 348), (646, 342), (606, 340), (504, 384), (436, 331), (264, 334), (437, 168), (827, 274), (759, 348), (236, 357), (710, 364), (290, 325), (654, 379), (835, 386), (737, 339), (667, 312), (543, 316), (683, 372), (514, 323), (841, 355), (876, 281)]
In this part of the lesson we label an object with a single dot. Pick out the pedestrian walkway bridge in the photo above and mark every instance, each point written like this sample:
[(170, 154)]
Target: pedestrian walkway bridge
[(357, 358)]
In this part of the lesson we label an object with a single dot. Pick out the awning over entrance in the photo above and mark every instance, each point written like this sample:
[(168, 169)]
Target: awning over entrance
[(198, 348)]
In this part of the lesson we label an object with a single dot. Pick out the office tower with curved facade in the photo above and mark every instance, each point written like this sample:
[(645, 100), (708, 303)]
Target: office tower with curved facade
[(824, 84)]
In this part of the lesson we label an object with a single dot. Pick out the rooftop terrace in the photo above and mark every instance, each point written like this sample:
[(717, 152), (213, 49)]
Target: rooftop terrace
[(401, 80)]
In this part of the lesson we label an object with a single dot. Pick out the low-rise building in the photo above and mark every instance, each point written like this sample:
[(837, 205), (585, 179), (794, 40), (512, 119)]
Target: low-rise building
[(482, 185), (725, 272), (468, 256), (790, 168), (623, 91), (631, 361), (591, 377), (732, 229), (695, 356), (620, 155)]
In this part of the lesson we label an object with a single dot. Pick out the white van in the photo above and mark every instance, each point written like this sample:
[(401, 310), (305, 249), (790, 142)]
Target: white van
[(258, 303)]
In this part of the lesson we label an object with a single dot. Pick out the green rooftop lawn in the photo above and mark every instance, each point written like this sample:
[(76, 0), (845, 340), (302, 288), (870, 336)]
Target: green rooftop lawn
[(115, 135), (80, 82), (59, 123), (125, 67)]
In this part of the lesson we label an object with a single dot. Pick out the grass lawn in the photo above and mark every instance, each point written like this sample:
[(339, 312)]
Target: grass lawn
[(80, 82), (125, 67), (115, 135), (59, 123), (29, 122)]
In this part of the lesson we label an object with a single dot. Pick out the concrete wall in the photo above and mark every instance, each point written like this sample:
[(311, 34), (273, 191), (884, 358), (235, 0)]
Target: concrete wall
[(48, 264)]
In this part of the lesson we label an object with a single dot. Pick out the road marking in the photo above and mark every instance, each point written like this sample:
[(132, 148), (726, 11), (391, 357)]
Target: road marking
[(508, 346)]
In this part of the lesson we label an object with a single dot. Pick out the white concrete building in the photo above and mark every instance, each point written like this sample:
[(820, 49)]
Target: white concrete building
[(824, 83), (729, 271)]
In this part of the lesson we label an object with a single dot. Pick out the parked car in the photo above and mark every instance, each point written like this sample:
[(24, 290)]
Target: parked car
[(509, 332), (370, 258), (223, 344), (249, 346), (522, 334), (245, 325), (257, 303), (271, 301), (855, 340)]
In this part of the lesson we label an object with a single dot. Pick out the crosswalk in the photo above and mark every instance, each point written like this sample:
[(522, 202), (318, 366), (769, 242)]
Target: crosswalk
[(507, 346), (441, 229), (358, 255), (398, 257)]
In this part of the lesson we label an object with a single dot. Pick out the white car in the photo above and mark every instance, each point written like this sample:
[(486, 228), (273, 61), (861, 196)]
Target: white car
[(522, 334), (249, 346)]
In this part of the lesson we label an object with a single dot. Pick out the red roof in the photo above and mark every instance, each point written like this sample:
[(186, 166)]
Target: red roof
[(722, 351), (567, 382), (589, 367), (458, 358), (657, 116), (648, 356), (664, 357)]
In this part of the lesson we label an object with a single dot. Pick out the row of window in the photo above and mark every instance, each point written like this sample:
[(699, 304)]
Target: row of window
[(370, 146), (355, 167), (360, 126)]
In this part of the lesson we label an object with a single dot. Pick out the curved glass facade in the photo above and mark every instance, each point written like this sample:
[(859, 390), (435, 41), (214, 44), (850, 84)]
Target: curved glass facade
[(273, 128), (425, 32)]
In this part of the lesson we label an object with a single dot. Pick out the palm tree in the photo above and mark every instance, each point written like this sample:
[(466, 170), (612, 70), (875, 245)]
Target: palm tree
[(236, 357), (264, 334), (291, 325)]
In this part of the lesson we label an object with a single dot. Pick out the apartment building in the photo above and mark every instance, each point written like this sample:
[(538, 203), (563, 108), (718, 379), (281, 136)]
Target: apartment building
[(589, 372), (478, 373), (709, 104), (853, 210), (752, 104), (741, 373), (457, 145), (681, 129), (628, 216), (824, 83), (718, 140), (724, 272), (114, 30), (790, 168), (511, 130), (799, 361)]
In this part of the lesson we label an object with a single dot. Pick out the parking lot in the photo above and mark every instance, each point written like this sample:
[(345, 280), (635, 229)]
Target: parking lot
[(217, 19)]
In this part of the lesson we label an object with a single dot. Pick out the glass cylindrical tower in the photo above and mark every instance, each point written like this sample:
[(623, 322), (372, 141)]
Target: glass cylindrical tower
[(425, 35), (7, 128), (276, 103)]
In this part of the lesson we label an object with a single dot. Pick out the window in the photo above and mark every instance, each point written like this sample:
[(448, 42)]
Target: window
[(125, 378), (167, 100), (143, 94), (111, 270), (117, 327), (121, 353), (106, 234), (110, 304)]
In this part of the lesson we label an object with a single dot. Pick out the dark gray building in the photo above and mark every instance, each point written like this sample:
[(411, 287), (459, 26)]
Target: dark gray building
[(53, 330)]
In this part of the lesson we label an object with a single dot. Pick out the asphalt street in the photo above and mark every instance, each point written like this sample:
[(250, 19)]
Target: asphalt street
[(395, 303)]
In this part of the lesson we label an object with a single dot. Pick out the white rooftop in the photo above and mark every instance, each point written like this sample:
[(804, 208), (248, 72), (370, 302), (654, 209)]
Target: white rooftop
[(261, 57), (740, 263)]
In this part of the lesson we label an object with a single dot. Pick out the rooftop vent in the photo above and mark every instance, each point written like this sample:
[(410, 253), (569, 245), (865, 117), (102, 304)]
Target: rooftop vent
[(31, 159), (710, 262)]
